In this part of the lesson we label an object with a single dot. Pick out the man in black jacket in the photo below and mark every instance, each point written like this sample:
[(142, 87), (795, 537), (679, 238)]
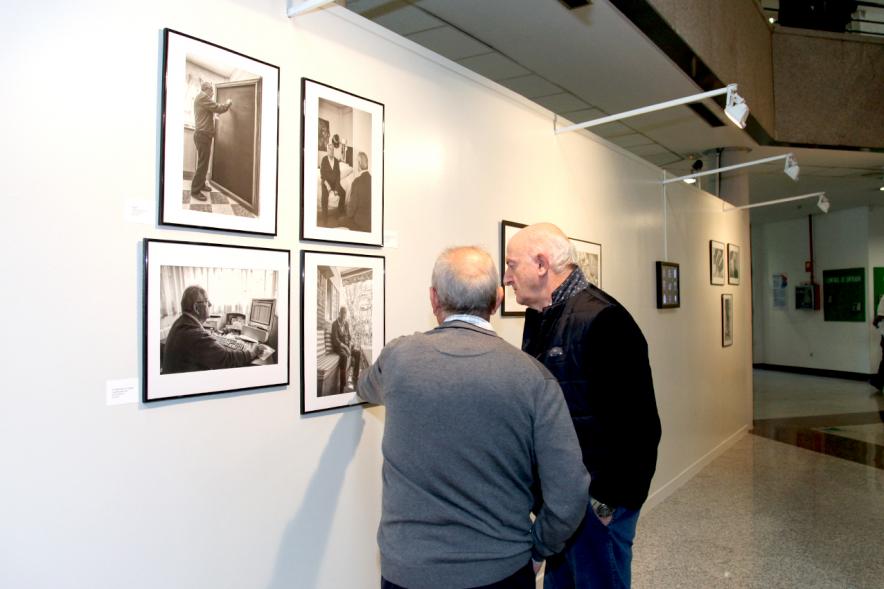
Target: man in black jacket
[(600, 358)]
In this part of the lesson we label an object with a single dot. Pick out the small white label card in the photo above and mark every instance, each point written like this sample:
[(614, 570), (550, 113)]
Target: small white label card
[(123, 391), (138, 211)]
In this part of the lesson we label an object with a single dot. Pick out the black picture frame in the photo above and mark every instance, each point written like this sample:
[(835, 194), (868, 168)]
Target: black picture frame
[(668, 285), (352, 212), (733, 264), (330, 280), (241, 162), (717, 266), (727, 320), (509, 307), (251, 289)]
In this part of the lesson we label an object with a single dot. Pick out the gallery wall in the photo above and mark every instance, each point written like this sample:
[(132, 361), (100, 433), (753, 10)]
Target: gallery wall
[(238, 490), (802, 338)]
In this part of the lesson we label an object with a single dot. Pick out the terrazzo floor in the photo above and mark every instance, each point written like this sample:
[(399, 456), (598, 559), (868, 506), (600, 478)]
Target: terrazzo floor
[(768, 514)]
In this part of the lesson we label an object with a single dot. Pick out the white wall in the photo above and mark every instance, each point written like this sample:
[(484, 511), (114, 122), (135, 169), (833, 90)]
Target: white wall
[(802, 338), (238, 490)]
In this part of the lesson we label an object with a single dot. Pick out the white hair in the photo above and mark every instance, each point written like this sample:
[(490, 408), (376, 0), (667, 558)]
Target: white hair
[(548, 239)]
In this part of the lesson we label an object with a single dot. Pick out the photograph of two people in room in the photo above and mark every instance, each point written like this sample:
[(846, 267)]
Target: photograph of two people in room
[(344, 160)]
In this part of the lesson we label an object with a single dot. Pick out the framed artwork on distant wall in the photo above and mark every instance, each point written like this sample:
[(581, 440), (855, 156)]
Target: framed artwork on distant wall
[(727, 320), (216, 318), (668, 286), (342, 325), (342, 166), (588, 256), (220, 130), (733, 264), (716, 262)]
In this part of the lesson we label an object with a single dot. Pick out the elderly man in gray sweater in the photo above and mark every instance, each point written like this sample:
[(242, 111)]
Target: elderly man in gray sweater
[(471, 424)]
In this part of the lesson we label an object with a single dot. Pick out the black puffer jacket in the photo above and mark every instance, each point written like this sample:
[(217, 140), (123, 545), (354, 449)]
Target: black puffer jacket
[(598, 353)]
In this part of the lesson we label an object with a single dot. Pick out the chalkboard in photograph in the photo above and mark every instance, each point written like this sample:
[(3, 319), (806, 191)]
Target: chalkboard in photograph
[(237, 155)]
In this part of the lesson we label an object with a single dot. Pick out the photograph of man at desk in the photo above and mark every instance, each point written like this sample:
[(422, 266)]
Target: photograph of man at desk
[(236, 328)]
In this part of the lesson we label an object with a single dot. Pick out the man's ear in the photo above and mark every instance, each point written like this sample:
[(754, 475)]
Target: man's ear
[(434, 300), (499, 300), (542, 264)]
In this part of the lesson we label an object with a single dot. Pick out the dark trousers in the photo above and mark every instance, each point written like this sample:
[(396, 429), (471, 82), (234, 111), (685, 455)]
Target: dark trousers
[(203, 142), (521, 579), (348, 357)]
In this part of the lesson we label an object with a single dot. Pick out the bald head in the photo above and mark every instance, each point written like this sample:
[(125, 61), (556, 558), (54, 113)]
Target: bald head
[(206, 86), (538, 259), (547, 239), (465, 281)]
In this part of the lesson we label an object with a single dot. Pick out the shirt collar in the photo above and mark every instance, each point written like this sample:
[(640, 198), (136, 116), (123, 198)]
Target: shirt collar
[(472, 319), (574, 283), (194, 317)]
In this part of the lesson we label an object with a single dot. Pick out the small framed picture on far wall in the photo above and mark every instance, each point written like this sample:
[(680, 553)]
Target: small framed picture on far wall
[(733, 264), (668, 288), (716, 262), (727, 320)]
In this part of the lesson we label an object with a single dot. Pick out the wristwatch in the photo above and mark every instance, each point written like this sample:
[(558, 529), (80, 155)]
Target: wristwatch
[(600, 508)]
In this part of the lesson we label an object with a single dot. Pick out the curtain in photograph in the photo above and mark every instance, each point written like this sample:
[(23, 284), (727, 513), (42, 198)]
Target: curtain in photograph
[(230, 290)]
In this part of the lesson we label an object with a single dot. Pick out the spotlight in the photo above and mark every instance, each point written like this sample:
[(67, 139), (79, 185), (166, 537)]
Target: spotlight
[(791, 169), (690, 180), (736, 109), (697, 165), (823, 203)]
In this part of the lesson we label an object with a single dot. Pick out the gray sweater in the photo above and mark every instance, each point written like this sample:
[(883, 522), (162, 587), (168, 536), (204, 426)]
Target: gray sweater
[(468, 418)]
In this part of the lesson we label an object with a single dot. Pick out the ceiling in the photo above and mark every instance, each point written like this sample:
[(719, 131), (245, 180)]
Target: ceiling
[(592, 61)]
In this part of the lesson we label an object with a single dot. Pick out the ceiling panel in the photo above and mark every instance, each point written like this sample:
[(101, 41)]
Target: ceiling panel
[(449, 42), (531, 86), (493, 66), (560, 103)]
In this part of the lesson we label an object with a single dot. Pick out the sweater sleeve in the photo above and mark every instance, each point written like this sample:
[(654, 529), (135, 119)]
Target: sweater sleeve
[(371, 383), (563, 477)]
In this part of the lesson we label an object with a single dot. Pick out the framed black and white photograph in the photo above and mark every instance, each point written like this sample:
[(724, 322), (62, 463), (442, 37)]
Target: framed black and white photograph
[(218, 167), (342, 325), (727, 320), (342, 166), (216, 318), (733, 264), (668, 285), (587, 254), (716, 262)]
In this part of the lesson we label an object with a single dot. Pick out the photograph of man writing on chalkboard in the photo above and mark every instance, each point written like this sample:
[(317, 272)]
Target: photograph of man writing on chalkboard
[(220, 116), (226, 118)]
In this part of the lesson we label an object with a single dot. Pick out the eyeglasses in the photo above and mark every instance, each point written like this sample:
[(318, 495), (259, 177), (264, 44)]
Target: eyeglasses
[(206, 303)]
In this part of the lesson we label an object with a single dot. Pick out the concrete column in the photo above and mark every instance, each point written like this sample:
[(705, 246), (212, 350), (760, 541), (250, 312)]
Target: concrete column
[(734, 186)]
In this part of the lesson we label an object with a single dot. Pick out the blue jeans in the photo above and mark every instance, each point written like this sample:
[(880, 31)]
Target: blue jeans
[(597, 556)]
